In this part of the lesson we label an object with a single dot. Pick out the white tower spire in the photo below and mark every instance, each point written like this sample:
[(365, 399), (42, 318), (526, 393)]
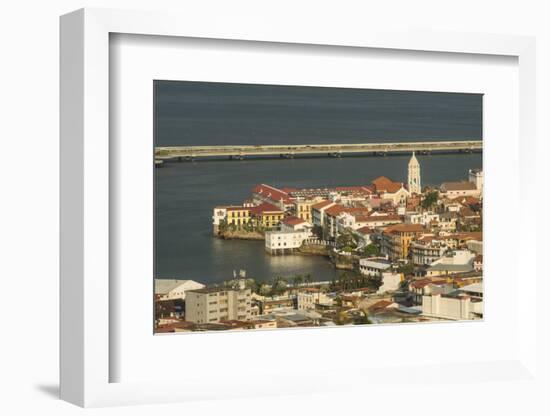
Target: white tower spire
[(415, 186)]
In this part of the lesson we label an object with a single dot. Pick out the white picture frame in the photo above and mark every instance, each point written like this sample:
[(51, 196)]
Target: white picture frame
[(85, 210)]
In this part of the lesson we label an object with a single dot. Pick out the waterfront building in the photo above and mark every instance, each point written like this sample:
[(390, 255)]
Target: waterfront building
[(267, 193), (238, 216), (267, 215), (397, 238), (283, 242), (374, 266), (219, 214), (414, 176), (215, 304), (169, 289), (292, 223)]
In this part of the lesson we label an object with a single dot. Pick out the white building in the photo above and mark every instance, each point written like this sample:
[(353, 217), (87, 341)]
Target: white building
[(168, 289), (219, 214), (292, 223), (211, 305), (414, 183), (374, 266), (456, 261), (465, 303), (279, 242), (424, 218)]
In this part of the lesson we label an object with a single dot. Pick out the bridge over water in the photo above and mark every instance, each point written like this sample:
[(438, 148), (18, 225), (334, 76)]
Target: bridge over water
[(334, 150)]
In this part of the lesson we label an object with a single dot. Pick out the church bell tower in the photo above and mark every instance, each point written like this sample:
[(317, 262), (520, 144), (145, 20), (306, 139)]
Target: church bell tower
[(415, 186)]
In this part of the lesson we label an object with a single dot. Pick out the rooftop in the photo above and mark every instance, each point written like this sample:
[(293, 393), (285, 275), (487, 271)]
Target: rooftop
[(458, 186)]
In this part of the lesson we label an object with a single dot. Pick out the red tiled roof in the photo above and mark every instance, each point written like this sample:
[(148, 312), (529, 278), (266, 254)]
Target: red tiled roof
[(404, 228), (335, 210), (365, 230), (239, 208), (265, 207), (270, 192), (291, 220), (354, 189), (383, 184), (458, 186), (321, 204)]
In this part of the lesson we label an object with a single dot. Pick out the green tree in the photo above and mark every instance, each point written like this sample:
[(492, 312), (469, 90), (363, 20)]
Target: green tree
[(430, 199), (370, 250)]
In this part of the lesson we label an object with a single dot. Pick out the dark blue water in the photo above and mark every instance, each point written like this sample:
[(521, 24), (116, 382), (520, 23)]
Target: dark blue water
[(211, 113)]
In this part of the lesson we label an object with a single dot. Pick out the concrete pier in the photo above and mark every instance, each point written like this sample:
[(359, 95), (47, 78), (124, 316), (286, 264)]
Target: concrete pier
[(331, 150)]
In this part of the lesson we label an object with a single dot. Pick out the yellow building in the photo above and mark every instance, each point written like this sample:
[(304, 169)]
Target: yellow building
[(238, 216), (302, 209), (396, 239), (267, 215)]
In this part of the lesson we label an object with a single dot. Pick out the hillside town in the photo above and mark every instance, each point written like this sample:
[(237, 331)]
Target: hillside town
[(404, 254)]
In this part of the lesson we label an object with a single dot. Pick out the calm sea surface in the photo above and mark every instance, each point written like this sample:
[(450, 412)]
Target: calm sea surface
[(189, 113)]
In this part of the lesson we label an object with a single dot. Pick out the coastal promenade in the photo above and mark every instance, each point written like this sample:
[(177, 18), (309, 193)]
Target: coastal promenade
[(332, 150)]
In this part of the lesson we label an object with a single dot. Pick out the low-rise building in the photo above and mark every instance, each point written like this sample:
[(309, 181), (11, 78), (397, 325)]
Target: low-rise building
[(308, 298), (427, 249), (455, 189), (452, 262), (283, 242), (292, 223), (238, 216), (374, 266), (267, 215), (425, 218), (464, 303)]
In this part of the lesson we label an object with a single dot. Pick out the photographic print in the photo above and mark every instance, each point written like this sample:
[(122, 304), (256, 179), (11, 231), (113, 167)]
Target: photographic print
[(281, 206)]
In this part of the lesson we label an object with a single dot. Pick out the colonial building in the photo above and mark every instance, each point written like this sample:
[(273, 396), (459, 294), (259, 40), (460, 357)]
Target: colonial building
[(267, 215), (238, 216), (427, 249), (282, 242), (396, 239), (414, 176), (390, 190)]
